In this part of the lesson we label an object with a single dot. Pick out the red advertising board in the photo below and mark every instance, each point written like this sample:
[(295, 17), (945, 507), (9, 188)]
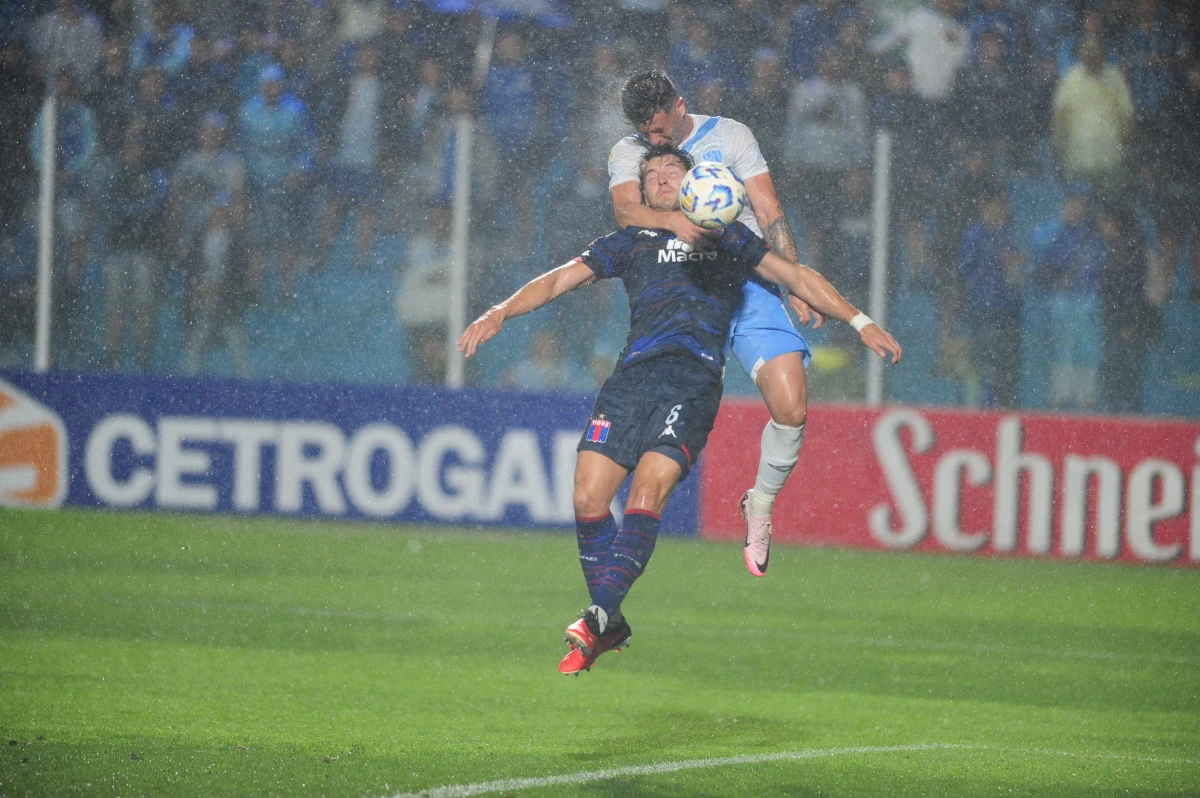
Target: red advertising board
[(923, 479)]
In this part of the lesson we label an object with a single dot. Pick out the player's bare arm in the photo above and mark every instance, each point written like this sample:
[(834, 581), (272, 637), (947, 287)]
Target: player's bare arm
[(534, 294), (629, 209), (768, 210), (813, 288)]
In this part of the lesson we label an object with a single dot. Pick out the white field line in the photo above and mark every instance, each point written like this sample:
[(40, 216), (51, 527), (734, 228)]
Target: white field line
[(513, 785), (510, 785), (854, 640)]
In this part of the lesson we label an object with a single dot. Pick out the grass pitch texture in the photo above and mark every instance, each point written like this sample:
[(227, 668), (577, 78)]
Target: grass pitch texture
[(155, 654)]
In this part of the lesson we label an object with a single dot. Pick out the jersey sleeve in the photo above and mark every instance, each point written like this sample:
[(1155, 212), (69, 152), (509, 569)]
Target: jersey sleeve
[(623, 161), (608, 256), (745, 156), (744, 245)]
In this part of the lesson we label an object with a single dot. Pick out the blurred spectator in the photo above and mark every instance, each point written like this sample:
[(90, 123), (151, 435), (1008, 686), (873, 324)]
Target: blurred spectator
[(698, 59), (437, 161), (745, 28), (992, 270), (905, 116), (601, 119), (255, 53), (859, 64), (161, 117), (958, 206), (994, 17), (936, 47), (1071, 267), (112, 95), (1093, 119), (1171, 181), (135, 202), (319, 41), (814, 28), (353, 173), (645, 22), (361, 20), (760, 105), (1131, 320), (399, 52), (18, 292), (70, 37), (298, 79), (206, 223), (399, 47), (509, 107), (710, 98), (279, 147), (848, 254), (1052, 23), (1151, 52), (423, 301), (991, 102), (826, 135), (1091, 26), (545, 369), (21, 90), (427, 102), (166, 46), (206, 83)]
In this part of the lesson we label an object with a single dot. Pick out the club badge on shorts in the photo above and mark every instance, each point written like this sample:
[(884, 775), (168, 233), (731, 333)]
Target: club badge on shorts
[(598, 430)]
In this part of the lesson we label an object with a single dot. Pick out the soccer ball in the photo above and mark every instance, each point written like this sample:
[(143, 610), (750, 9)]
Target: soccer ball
[(712, 195)]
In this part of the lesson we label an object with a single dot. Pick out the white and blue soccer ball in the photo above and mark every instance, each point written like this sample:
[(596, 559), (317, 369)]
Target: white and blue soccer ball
[(712, 195)]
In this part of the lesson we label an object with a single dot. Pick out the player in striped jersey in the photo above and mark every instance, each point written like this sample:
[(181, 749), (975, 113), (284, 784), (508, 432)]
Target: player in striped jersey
[(653, 415)]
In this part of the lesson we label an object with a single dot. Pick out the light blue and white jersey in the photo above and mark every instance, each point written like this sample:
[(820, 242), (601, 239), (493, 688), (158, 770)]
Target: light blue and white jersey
[(713, 138)]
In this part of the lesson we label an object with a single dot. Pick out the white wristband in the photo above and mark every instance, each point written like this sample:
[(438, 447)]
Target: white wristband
[(860, 321)]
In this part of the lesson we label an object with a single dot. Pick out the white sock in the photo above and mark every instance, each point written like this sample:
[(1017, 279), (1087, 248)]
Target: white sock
[(601, 616), (779, 453)]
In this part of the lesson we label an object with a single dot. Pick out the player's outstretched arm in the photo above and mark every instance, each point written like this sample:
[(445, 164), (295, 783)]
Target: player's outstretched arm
[(629, 209), (528, 298), (809, 285)]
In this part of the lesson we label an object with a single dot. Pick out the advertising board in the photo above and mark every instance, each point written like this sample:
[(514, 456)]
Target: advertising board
[(203, 445), (903, 478)]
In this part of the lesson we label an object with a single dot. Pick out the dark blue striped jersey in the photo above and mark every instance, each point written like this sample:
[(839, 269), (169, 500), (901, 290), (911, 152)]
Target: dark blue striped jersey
[(678, 300)]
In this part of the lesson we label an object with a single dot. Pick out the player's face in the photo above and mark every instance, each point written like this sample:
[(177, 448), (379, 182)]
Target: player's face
[(667, 127), (661, 182)]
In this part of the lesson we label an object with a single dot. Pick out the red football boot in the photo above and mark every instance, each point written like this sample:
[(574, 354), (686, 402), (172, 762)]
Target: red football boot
[(615, 637)]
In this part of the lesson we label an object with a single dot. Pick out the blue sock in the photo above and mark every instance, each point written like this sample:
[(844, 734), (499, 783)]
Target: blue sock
[(631, 551), (595, 538)]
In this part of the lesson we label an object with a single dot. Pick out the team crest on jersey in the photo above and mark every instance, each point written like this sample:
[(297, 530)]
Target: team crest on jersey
[(712, 155), (598, 430)]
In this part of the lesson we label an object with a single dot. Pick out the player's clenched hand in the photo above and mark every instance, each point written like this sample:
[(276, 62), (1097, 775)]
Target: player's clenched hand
[(879, 341), (689, 233), (804, 312), (482, 329)]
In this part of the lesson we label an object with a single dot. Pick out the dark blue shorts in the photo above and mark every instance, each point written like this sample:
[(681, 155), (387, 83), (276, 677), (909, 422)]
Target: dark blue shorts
[(666, 404)]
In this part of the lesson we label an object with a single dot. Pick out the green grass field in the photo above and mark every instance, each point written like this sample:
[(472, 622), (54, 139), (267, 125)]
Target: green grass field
[(179, 655)]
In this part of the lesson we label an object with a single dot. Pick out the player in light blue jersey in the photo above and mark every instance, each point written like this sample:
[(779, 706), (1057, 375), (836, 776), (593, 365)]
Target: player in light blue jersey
[(763, 338)]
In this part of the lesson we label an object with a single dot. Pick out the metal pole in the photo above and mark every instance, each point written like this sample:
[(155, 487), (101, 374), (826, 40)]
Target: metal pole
[(460, 236), (460, 239), (41, 355), (879, 259)]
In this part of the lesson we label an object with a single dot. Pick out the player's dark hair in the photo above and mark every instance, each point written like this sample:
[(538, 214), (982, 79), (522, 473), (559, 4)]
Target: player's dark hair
[(645, 94), (658, 151)]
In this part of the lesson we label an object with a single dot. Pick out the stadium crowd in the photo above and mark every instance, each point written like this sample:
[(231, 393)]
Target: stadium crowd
[(263, 188)]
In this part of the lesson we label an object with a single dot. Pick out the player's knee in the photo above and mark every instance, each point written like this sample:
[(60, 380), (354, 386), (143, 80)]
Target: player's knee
[(589, 503), (649, 495), (791, 416)]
